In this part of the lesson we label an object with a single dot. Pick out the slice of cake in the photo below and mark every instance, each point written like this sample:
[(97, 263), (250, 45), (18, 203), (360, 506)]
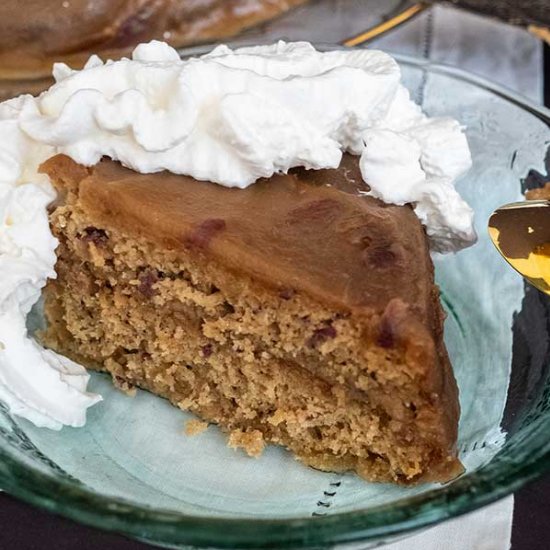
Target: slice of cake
[(296, 311)]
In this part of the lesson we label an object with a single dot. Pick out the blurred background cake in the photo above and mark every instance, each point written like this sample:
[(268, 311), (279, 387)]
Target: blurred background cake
[(46, 31)]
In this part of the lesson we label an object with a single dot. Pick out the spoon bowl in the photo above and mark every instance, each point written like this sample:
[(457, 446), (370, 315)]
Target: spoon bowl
[(521, 233)]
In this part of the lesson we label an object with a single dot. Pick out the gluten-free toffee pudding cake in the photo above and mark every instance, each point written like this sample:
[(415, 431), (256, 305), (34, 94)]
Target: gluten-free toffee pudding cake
[(247, 234), (295, 311)]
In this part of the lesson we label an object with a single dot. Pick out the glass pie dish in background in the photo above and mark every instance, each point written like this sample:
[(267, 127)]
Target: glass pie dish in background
[(131, 469)]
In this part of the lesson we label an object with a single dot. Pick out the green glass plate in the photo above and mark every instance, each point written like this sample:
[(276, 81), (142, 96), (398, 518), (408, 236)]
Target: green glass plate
[(132, 470)]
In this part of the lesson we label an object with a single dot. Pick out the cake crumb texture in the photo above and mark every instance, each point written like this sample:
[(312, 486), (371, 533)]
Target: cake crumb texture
[(195, 427), (251, 442)]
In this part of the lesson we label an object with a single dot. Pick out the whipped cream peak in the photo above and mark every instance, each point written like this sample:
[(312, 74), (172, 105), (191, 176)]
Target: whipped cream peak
[(229, 117), (155, 51)]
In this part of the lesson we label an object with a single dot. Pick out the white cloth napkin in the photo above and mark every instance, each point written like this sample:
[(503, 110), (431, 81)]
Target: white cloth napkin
[(513, 58), (487, 529)]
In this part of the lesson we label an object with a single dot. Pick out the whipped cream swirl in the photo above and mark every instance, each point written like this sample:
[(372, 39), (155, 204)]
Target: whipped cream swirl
[(230, 117), (40, 385)]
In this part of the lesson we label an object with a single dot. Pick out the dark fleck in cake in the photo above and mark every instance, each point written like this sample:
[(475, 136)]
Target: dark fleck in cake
[(296, 311)]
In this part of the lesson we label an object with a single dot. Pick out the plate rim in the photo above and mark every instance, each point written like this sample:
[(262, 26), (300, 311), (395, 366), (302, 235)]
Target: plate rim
[(158, 526)]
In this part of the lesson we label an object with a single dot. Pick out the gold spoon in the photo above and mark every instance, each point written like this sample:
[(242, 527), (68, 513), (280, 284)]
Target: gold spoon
[(521, 233)]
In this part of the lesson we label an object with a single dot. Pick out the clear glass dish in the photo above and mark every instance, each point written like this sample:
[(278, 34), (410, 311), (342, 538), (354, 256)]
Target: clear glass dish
[(132, 470)]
